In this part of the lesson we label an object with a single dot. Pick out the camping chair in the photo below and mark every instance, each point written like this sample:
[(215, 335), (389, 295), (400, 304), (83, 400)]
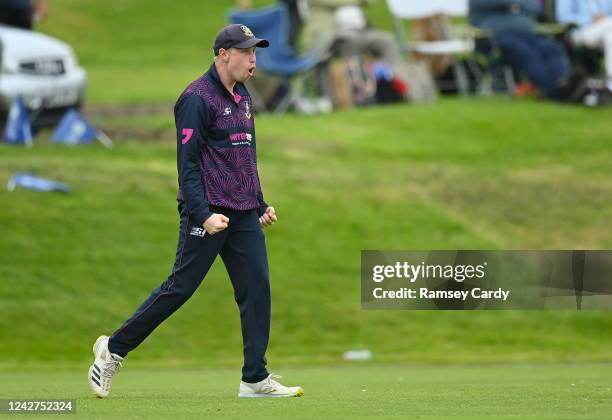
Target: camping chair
[(583, 59), (452, 46), (279, 59), (498, 76)]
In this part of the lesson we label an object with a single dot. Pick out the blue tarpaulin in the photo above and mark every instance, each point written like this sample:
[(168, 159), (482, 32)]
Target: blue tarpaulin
[(36, 183)]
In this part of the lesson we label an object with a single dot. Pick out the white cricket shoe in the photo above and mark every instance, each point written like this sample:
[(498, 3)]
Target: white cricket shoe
[(268, 388), (105, 366)]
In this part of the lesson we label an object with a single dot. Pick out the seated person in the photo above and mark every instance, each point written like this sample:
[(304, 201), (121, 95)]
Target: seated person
[(339, 28), (512, 23), (341, 24), (16, 13), (22, 13), (593, 20), (296, 9)]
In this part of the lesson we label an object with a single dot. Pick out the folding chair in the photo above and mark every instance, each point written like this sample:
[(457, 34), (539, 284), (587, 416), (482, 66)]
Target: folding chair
[(453, 46), (279, 58), (583, 59)]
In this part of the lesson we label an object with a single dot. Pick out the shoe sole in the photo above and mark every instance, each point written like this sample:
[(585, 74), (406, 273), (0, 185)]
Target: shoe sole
[(298, 393), (92, 386)]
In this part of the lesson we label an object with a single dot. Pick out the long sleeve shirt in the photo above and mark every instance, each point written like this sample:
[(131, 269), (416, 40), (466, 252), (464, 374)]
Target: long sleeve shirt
[(582, 12), (216, 153)]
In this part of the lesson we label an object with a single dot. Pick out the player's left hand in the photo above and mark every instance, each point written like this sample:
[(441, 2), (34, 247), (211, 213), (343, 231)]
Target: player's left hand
[(268, 218)]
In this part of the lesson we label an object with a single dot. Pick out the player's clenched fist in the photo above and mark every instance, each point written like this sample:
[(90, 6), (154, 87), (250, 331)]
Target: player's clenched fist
[(216, 223), (268, 218)]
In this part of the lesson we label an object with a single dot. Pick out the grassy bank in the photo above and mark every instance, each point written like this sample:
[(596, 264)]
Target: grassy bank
[(482, 174)]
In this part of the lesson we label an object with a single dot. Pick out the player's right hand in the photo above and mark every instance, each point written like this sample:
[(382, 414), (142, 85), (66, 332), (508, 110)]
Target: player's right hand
[(216, 223)]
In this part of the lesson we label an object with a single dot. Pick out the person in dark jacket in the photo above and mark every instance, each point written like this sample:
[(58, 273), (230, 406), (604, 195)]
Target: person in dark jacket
[(296, 10), (512, 24), (22, 13), (222, 212)]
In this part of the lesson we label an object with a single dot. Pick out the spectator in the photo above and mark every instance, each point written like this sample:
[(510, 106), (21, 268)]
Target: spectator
[(342, 24), (22, 13), (41, 10), (339, 29), (541, 59), (297, 11), (593, 20)]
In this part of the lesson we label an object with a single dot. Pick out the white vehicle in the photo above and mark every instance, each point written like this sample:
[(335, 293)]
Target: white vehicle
[(43, 70)]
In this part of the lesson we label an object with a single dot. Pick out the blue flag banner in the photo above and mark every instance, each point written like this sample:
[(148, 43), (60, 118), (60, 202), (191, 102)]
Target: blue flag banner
[(75, 129), (36, 183), (18, 129)]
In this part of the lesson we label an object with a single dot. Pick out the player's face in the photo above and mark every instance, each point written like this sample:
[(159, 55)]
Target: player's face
[(241, 63)]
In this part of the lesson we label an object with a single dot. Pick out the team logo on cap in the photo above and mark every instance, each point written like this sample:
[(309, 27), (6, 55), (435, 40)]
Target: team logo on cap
[(246, 31)]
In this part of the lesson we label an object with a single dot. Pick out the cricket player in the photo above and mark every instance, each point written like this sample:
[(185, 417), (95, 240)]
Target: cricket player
[(222, 211)]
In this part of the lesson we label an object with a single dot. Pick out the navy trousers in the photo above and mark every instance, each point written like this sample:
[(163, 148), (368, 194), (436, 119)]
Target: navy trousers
[(542, 59), (243, 250)]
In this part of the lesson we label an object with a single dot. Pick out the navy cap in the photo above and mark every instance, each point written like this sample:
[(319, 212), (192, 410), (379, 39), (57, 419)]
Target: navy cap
[(237, 36)]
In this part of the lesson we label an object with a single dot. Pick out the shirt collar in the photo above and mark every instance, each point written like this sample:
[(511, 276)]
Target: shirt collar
[(239, 88)]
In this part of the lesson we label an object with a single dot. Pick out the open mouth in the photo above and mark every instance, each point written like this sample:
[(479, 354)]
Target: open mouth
[(251, 71)]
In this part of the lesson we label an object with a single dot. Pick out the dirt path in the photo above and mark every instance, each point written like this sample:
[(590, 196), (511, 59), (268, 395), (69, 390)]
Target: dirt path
[(110, 118)]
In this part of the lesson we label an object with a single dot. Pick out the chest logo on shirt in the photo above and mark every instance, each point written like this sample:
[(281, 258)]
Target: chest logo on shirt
[(188, 134), (227, 111), (247, 110), (239, 139)]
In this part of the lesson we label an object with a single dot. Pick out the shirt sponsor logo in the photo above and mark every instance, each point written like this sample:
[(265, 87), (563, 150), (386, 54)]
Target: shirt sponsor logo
[(236, 137), (197, 231), (227, 111)]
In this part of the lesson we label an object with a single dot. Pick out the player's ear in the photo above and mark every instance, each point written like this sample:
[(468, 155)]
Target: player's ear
[(224, 54)]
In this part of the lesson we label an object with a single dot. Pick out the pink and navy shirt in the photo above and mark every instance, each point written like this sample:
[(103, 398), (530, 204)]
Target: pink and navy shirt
[(217, 163)]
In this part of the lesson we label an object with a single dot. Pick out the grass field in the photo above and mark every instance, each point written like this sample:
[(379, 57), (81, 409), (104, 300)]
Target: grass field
[(478, 173), (468, 392)]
